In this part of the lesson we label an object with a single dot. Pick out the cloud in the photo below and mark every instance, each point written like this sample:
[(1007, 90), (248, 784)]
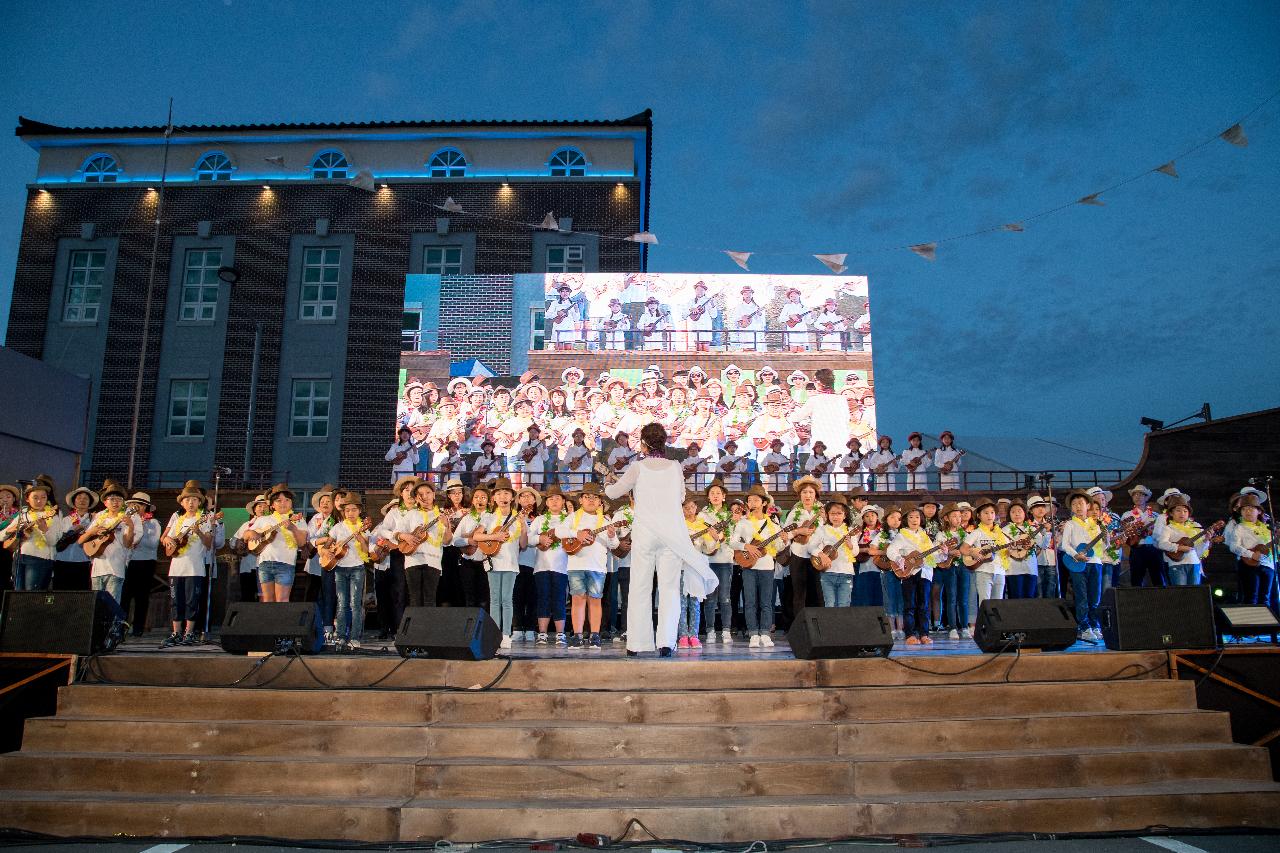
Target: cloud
[(867, 186)]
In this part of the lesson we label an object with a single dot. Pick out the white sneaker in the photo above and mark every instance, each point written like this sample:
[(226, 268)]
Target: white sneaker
[(899, 635), (506, 642), (954, 635), (353, 644), (1095, 635), (755, 641), (966, 634), (330, 638), (766, 641), (726, 636)]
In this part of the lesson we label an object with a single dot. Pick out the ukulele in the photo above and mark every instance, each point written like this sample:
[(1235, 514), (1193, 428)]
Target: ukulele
[(417, 537), (803, 538), (333, 551), (1253, 556), (883, 468), (404, 454), (718, 527), (792, 322), (1186, 543), (754, 552), (912, 563), (947, 467), (746, 320), (96, 544), (826, 558), (489, 549), (915, 463), (180, 541), (575, 544), (262, 538), (699, 308)]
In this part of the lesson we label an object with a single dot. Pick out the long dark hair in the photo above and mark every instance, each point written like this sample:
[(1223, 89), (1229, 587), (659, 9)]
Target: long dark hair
[(653, 438)]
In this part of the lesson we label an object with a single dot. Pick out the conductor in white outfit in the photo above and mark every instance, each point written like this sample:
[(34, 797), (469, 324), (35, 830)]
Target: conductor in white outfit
[(660, 543)]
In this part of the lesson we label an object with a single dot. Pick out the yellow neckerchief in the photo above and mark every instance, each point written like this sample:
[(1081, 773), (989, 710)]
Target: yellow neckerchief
[(1091, 529), (513, 530), (186, 545), (920, 539), (435, 536), (354, 542), (1186, 528), (1258, 529), (763, 533), (289, 541), (997, 537), (839, 533), (577, 519), (37, 535)]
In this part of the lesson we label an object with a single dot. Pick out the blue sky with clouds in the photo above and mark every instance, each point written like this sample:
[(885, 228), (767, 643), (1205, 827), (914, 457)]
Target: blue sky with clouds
[(816, 127)]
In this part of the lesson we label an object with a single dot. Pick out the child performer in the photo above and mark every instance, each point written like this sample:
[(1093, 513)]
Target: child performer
[(588, 567), (912, 538), (837, 580), (717, 512), (915, 460), (1023, 574), (503, 525)]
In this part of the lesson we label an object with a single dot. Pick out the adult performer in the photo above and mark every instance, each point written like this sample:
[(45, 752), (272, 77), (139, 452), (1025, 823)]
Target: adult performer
[(660, 542)]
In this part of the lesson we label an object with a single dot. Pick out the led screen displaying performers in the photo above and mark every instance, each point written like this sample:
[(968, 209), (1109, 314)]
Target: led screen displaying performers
[(695, 312)]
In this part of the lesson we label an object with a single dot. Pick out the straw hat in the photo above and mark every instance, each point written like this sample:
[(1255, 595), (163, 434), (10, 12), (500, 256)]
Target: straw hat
[(93, 496), (1140, 489), (259, 499), (760, 492), (142, 499), (501, 484), (13, 490), (277, 490), (327, 490), (979, 503), (454, 483), (807, 480), (191, 489), (1095, 491)]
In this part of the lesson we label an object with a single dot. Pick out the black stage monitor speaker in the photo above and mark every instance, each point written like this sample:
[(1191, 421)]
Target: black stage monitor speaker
[(840, 632), (1143, 618), (62, 622), (448, 633), (271, 627), (1029, 623)]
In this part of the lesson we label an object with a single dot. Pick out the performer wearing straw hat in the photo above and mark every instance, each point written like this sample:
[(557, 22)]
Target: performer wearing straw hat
[(277, 536), (140, 574), (34, 534), (122, 531), (188, 537), (247, 567), (661, 545), (72, 566)]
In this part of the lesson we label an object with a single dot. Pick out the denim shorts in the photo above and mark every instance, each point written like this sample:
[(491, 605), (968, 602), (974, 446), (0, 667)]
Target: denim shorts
[(583, 582), (273, 571)]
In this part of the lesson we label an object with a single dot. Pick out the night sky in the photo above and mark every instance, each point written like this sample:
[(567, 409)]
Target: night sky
[(824, 127)]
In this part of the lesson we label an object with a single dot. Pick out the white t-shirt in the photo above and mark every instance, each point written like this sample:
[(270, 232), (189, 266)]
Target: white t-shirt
[(114, 559), (594, 557), (277, 550), (190, 562)]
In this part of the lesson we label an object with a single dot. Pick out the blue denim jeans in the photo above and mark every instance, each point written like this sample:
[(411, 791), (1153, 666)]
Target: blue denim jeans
[(956, 606), (32, 573), (690, 610), (553, 594), (837, 590), (892, 585), (719, 600), (349, 589), (1086, 586), (1188, 575), (757, 595), (108, 583), (502, 587), (1020, 586), (1049, 582)]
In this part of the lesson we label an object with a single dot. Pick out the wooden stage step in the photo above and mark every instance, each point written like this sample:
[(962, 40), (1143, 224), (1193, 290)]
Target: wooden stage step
[(723, 751)]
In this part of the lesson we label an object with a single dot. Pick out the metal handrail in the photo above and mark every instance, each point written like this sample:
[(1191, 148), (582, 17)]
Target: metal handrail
[(174, 478)]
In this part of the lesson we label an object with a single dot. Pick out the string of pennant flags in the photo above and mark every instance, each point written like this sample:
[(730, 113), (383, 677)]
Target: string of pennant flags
[(836, 261)]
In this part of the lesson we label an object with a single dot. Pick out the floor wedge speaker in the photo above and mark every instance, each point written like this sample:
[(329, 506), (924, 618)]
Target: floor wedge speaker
[(448, 633), (1145, 618), (260, 626), (840, 632), (1028, 623), (64, 622)]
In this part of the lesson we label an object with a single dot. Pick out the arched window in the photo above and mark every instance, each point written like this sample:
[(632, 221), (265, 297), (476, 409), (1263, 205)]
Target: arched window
[(447, 163), (330, 164), (101, 169), (567, 163), (214, 166)]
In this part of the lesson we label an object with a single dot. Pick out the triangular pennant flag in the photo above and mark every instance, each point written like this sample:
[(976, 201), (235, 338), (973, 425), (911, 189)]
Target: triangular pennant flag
[(549, 222), (644, 237), (363, 181), (835, 263), (1013, 226), (1092, 198), (739, 258), (928, 251), (1168, 169), (1235, 135), (451, 205), (277, 160)]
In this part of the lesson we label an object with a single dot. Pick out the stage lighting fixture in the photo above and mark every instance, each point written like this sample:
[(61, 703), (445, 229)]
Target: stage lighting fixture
[(1246, 620), (1156, 425), (266, 187)]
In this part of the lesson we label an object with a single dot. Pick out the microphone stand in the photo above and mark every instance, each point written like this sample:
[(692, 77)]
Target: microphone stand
[(213, 563), (1047, 479)]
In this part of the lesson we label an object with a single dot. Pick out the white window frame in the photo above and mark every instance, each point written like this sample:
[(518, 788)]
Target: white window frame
[(205, 262), (442, 266), (210, 169), (448, 163), (184, 391), (537, 337), (567, 162), (310, 392), (82, 262), (320, 258), (574, 258), (330, 164), (100, 168)]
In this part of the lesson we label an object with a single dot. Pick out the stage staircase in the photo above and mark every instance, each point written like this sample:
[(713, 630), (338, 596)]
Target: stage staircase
[(714, 751)]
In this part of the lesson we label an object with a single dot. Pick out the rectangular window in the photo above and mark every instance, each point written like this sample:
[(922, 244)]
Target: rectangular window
[(188, 407), (537, 328), (310, 408), (84, 286), (442, 260), (200, 284), (410, 331), (565, 259), (320, 269)]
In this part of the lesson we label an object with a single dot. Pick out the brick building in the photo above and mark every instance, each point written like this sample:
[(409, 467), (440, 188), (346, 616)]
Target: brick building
[(282, 253)]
